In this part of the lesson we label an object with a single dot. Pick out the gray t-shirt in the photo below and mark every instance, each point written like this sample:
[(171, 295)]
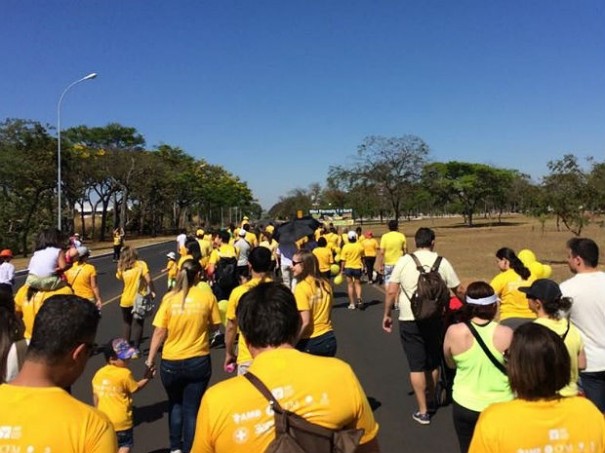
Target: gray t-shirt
[(244, 248)]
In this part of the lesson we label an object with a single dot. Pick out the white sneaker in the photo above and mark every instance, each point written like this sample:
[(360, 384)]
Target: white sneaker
[(351, 307), (176, 451)]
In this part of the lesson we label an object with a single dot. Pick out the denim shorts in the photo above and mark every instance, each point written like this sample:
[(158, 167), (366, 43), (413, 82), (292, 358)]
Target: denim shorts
[(125, 438), (352, 273)]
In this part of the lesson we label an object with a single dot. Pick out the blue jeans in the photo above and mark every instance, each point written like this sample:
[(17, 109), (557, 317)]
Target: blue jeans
[(323, 345), (185, 382), (593, 384)]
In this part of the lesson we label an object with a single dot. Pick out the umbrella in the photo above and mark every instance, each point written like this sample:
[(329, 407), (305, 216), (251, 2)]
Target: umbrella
[(292, 231)]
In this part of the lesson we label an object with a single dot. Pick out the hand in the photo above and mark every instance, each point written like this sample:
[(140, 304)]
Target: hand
[(150, 371), (387, 323), (153, 294), (230, 360), (99, 304)]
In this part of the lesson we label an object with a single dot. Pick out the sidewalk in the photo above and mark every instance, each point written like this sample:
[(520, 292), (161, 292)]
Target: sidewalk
[(101, 248)]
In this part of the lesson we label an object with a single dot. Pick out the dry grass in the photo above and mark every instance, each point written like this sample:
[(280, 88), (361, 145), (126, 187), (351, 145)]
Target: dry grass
[(472, 250)]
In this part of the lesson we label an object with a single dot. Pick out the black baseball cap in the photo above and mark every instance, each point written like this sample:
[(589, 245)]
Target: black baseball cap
[(543, 289)]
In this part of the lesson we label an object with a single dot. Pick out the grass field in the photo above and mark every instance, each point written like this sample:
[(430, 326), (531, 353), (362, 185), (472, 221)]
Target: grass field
[(472, 250)]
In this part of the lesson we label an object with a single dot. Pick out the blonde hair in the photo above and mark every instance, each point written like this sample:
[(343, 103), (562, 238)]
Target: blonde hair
[(185, 279), (128, 257)]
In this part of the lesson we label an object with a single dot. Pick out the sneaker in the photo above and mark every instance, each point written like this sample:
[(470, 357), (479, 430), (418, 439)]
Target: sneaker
[(351, 307), (217, 341), (423, 419)]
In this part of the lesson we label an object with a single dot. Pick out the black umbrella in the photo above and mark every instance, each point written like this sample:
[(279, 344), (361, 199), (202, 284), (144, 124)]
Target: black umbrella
[(296, 229)]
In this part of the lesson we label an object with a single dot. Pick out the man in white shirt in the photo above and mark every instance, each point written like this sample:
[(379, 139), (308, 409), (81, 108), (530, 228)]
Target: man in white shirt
[(180, 243), (422, 340), (587, 289)]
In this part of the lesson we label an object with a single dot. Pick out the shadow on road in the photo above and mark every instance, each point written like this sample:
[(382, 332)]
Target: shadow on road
[(374, 403), (151, 413)]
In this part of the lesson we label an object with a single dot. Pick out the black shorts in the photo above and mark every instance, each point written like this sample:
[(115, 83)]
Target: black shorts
[(352, 273), (422, 343)]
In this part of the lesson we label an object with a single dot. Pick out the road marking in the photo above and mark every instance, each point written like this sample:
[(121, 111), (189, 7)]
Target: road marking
[(113, 299)]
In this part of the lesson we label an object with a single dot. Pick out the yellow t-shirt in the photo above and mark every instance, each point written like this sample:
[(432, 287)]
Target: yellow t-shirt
[(318, 300), (235, 417), (352, 254), (133, 282), (187, 327), (29, 308), (225, 251), (206, 249), (243, 354), (370, 247), (113, 386), (571, 424), (333, 240), (272, 246), (573, 343), (513, 303), (48, 419), (117, 239), (173, 268), (393, 245), (181, 260), (324, 258), (252, 239), (79, 276)]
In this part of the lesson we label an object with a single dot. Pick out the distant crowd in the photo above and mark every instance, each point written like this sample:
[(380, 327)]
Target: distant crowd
[(521, 358)]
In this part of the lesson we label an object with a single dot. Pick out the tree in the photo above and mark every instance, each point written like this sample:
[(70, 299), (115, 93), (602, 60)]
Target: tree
[(568, 192), (466, 183), (390, 165)]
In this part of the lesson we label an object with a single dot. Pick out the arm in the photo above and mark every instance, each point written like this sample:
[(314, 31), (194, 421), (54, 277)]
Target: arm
[(389, 300), (447, 349), (459, 291), (143, 382), (230, 331), (149, 281), (582, 359), (159, 335), (95, 291), (95, 400), (305, 323)]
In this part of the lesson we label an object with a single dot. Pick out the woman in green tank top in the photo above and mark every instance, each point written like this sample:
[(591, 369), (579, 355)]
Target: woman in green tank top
[(479, 382)]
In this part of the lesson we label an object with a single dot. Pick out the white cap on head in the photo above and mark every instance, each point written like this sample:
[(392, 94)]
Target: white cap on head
[(352, 235), (83, 251), (171, 255), (242, 232)]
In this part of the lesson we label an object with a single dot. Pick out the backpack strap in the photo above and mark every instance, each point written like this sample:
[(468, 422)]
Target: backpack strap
[(256, 382), (566, 330), (419, 265), (488, 353), (436, 264), (21, 349)]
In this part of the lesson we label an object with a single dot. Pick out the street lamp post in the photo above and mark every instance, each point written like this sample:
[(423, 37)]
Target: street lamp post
[(88, 77)]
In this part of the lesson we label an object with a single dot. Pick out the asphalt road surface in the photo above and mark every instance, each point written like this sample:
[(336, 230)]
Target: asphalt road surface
[(376, 357)]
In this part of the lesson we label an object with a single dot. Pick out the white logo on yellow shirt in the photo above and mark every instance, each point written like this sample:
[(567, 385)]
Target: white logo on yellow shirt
[(10, 432), (241, 435), (558, 434), (238, 418)]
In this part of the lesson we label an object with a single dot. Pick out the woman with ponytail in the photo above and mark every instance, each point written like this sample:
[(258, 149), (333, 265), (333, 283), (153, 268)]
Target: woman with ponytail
[(182, 325), (514, 310)]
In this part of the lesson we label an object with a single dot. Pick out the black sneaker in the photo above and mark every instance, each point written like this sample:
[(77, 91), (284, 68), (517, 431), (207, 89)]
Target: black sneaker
[(423, 419), (218, 341)]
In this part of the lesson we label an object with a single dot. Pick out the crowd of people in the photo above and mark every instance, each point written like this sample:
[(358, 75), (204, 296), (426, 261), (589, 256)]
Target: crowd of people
[(528, 354)]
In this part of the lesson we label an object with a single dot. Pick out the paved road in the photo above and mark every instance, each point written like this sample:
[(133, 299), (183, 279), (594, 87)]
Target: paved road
[(376, 357)]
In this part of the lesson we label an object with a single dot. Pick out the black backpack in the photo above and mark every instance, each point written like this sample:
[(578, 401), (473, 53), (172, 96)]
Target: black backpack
[(294, 434), (432, 295), (225, 274)]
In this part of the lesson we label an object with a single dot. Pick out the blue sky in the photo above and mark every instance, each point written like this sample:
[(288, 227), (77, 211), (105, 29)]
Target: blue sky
[(277, 91)]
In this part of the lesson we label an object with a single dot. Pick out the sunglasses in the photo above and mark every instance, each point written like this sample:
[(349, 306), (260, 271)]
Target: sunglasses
[(294, 263)]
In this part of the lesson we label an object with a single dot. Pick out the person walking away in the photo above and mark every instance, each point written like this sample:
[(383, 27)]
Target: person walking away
[(7, 270), (285, 252), (539, 419), (323, 390), (82, 277), (271, 244), (352, 267), (514, 310), (260, 268), (370, 250), (118, 243), (243, 247), (222, 266), (587, 290), (172, 269), (324, 257), (137, 285), (421, 340), (546, 300), (478, 381), (61, 343), (12, 343), (113, 387), (314, 299), (182, 324), (180, 242), (392, 247)]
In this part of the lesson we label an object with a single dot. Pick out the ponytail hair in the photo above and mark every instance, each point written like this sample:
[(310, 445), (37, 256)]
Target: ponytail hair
[(515, 263), (557, 308), (185, 279)]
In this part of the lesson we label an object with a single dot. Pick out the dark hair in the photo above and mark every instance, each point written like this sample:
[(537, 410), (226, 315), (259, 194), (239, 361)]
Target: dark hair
[(515, 263), (246, 227), (260, 259), (267, 315), (478, 290), (11, 330), (321, 242), (585, 248), (193, 248), (424, 237), (49, 237), (63, 322), (108, 351), (393, 224), (538, 362), (224, 235), (555, 308)]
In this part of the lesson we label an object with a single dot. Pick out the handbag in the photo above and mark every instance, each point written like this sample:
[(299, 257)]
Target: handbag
[(143, 306)]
